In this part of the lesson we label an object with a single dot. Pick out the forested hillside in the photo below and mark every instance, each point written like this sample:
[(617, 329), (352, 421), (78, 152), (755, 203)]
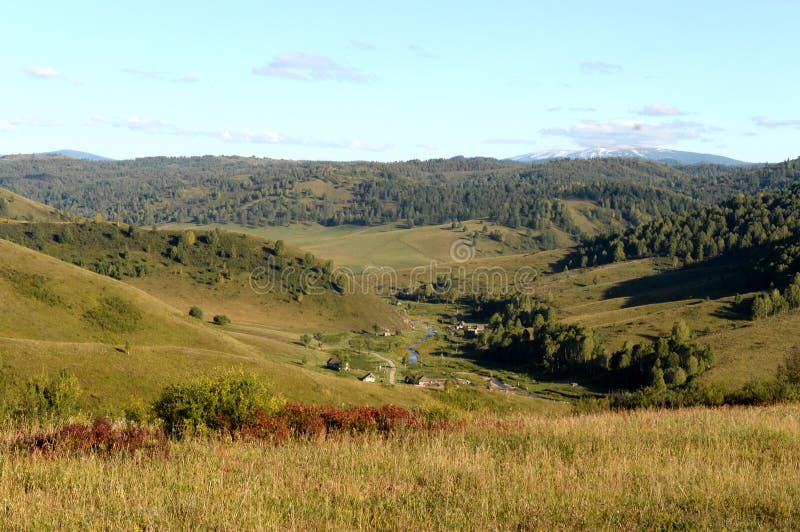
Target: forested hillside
[(258, 192), (739, 224)]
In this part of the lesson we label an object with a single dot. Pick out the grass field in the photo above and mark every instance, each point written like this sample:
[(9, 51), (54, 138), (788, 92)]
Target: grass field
[(393, 245), (20, 209), (732, 468)]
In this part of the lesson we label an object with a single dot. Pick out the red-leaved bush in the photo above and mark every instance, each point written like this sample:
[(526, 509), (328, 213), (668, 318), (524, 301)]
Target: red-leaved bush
[(101, 437), (313, 422)]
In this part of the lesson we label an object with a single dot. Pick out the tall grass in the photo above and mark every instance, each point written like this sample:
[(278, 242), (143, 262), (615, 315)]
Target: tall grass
[(696, 468)]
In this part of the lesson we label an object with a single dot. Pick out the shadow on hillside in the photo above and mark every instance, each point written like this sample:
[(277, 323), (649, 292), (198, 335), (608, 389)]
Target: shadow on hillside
[(714, 279)]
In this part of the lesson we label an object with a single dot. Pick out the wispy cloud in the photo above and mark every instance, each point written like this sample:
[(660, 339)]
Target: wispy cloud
[(42, 72), (659, 109), (572, 109), (598, 67), (137, 123), (526, 142), (154, 126), (309, 66), (427, 146), (767, 122), (631, 133), (361, 45), (422, 51), (10, 125), (158, 75), (48, 73)]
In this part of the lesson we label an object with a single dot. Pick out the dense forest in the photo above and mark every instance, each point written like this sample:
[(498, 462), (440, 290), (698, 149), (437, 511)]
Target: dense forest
[(740, 224), (526, 333), (258, 192)]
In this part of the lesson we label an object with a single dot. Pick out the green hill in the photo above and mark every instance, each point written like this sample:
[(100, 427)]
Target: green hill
[(123, 343), (14, 207)]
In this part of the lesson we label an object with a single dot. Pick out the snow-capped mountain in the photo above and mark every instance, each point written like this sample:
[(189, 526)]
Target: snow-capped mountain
[(650, 154)]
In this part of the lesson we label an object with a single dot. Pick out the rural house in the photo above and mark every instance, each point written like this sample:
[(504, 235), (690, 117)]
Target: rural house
[(369, 377)]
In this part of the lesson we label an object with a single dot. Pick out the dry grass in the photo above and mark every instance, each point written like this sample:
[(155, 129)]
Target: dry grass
[(19, 208), (700, 468)]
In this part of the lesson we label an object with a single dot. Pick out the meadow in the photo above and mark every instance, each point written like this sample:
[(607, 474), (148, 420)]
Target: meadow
[(729, 468)]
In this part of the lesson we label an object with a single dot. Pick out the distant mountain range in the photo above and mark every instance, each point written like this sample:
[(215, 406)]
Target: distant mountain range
[(78, 155), (661, 155)]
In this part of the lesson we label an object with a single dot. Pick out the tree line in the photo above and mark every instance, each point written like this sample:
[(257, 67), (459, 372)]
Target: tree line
[(526, 333)]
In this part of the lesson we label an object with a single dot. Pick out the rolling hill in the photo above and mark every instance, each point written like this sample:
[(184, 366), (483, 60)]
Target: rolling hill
[(14, 207)]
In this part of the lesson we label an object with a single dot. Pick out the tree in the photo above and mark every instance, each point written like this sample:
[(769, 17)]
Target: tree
[(221, 319), (190, 238), (789, 371), (657, 380), (318, 338), (3, 207), (305, 340), (196, 312), (681, 332)]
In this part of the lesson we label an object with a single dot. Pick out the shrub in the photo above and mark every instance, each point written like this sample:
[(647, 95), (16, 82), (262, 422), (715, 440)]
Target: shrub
[(225, 404), (221, 319), (196, 312), (101, 437), (789, 371), (49, 397)]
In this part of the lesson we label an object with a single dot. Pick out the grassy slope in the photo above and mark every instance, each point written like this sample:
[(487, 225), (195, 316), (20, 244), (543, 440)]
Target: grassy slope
[(46, 330), (689, 469), (393, 245), (19, 208), (640, 300)]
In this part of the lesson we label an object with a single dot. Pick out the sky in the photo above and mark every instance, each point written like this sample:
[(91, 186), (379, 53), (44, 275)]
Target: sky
[(399, 80)]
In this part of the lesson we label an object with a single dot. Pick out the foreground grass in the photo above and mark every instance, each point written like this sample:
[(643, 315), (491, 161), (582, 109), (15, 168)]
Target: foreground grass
[(699, 468)]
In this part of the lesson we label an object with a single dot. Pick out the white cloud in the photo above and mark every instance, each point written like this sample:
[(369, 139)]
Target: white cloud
[(153, 126), (631, 133), (157, 75), (361, 45), (659, 109), (309, 66), (766, 122), (10, 125), (261, 137), (137, 123), (598, 67), (42, 72)]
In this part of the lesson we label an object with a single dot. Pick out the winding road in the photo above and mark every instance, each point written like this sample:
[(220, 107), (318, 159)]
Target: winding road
[(392, 365)]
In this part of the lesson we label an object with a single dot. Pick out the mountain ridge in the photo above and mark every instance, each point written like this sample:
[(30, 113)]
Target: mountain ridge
[(661, 155)]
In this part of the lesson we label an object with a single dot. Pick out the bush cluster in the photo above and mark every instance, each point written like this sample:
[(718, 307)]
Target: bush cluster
[(101, 437), (226, 403)]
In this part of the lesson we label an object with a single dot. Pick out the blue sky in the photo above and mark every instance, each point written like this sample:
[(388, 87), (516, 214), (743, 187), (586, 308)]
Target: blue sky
[(399, 80)]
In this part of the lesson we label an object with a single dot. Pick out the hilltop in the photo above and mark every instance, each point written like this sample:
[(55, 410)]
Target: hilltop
[(16, 208)]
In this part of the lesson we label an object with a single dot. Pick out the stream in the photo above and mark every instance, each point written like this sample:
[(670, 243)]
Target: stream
[(413, 354)]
